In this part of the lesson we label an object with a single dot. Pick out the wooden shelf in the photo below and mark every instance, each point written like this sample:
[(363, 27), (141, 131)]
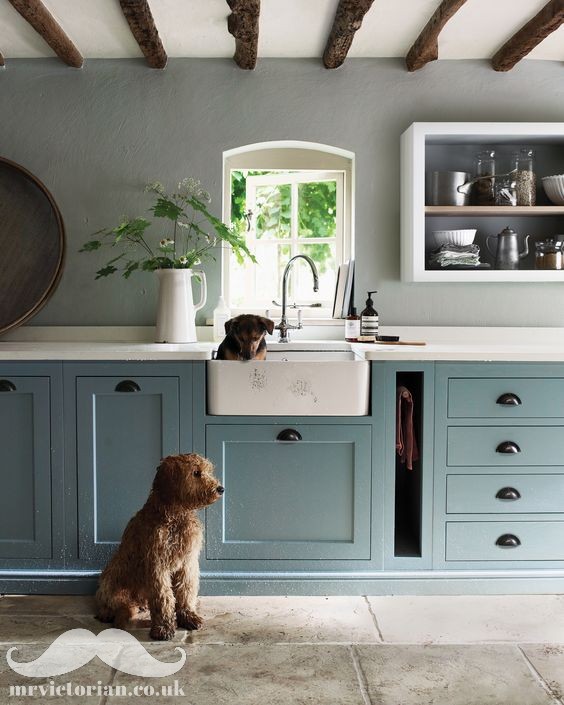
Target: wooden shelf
[(464, 211)]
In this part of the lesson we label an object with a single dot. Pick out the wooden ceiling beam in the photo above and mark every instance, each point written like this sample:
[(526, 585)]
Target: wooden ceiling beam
[(43, 22), (426, 46), (142, 25), (522, 42), (243, 24), (348, 20)]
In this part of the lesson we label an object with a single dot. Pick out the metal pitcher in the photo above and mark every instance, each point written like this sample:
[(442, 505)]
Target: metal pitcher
[(507, 254)]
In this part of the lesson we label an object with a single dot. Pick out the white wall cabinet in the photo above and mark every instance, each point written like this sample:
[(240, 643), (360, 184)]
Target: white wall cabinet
[(446, 146)]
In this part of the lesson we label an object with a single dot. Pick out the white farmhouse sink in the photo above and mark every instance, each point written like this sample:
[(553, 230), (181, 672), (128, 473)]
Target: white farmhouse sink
[(290, 383)]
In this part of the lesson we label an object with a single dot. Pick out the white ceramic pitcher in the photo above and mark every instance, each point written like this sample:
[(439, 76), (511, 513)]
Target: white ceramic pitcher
[(176, 312)]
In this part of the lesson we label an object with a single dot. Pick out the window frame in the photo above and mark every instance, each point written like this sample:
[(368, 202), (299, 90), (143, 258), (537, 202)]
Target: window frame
[(286, 156)]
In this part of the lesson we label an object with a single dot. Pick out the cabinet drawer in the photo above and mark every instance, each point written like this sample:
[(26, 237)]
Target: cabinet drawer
[(478, 541), (302, 499), (506, 398), (505, 445), (505, 494)]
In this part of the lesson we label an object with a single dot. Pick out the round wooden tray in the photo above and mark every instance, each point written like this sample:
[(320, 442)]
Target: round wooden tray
[(32, 245)]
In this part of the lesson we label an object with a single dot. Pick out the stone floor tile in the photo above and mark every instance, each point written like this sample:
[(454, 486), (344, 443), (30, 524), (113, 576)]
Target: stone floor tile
[(285, 619), (548, 661), (21, 629), (255, 674), (449, 675), (95, 674), (465, 619), (47, 604)]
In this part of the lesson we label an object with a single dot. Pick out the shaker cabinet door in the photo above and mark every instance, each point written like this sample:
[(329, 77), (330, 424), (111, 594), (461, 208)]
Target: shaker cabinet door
[(125, 425), (25, 467), (307, 497)]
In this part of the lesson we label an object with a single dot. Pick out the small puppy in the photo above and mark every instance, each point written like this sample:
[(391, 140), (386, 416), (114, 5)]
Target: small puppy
[(156, 563), (244, 338)]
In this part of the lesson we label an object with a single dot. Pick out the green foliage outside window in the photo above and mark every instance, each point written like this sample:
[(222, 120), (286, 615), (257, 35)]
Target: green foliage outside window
[(316, 212)]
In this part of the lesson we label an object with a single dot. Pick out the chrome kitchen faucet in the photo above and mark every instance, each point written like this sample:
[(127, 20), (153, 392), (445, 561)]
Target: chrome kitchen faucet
[(284, 326)]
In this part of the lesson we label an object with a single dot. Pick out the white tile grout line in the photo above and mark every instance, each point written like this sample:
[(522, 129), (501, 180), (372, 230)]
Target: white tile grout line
[(538, 677), (360, 675), (381, 636)]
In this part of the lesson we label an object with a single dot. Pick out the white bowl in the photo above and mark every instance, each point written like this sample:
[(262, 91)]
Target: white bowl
[(454, 237), (554, 188)]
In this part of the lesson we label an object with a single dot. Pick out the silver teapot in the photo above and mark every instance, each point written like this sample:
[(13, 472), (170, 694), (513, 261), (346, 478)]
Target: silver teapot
[(507, 253)]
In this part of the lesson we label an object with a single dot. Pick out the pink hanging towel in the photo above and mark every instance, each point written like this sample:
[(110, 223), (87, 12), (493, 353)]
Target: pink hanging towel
[(406, 444)]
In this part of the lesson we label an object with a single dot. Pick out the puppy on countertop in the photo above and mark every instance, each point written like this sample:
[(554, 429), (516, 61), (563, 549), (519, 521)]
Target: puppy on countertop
[(245, 338)]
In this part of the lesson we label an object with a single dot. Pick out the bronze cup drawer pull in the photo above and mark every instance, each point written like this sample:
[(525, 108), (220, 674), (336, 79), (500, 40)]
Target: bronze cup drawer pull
[(127, 385), (289, 434), (509, 399), (7, 386), (508, 447), (508, 493), (508, 541)]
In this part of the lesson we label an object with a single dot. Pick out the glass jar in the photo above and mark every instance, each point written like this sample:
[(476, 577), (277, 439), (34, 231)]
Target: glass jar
[(549, 254), (483, 190), (525, 178), (505, 190)]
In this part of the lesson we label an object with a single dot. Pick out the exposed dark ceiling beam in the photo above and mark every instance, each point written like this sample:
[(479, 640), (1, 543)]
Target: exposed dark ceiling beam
[(43, 22), (426, 46), (348, 20), (142, 25), (522, 42), (243, 24)]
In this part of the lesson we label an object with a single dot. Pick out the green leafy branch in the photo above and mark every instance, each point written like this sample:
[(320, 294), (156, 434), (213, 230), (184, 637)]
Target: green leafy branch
[(196, 232)]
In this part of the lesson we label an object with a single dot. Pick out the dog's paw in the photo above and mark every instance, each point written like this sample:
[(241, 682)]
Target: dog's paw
[(188, 620), (161, 632), (104, 615)]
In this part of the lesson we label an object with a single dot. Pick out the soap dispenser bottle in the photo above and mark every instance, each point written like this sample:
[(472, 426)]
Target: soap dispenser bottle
[(369, 318)]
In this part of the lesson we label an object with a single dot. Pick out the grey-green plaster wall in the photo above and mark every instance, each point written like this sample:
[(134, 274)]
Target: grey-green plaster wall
[(95, 136)]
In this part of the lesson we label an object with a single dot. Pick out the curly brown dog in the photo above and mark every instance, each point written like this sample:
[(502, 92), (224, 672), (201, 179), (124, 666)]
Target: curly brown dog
[(156, 563)]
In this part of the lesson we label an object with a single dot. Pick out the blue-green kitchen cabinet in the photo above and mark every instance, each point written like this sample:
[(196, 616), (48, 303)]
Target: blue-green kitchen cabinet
[(499, 467), (307, 499), (122, 419), (31, 463)]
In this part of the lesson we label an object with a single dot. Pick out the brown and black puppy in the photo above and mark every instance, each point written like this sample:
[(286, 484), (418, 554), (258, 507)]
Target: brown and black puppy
[(244, 338)]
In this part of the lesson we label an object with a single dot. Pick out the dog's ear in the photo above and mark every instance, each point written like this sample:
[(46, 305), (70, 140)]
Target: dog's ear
[(228, 326), (164, 483), (268, 324)]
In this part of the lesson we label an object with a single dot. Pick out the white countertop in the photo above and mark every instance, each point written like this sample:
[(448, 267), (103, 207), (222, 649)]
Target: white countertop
[(455, 344), (104, 351)]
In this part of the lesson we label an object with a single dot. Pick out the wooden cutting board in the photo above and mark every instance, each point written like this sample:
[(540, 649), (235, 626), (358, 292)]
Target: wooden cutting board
[(32, 245)]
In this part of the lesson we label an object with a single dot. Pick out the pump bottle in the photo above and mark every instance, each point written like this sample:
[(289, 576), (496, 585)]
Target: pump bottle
[(369, 318)]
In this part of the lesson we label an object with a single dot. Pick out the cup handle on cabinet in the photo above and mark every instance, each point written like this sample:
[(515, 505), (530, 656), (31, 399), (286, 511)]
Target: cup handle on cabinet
[(508, 447), (508, 493), (508, 541), (509, 399), (289, 434)]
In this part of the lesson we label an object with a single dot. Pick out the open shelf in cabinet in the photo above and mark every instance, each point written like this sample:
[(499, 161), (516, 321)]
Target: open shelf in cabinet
[(512, 211), (452, 147)]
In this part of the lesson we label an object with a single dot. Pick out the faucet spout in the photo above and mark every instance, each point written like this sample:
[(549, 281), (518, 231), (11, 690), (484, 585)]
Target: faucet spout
[(284, 326)]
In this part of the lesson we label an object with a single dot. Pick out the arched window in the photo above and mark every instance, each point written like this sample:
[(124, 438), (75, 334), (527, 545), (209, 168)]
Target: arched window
[(288, 198)]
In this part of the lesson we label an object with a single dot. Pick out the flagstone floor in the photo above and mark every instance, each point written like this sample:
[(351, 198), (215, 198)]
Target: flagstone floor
[(458, 650)]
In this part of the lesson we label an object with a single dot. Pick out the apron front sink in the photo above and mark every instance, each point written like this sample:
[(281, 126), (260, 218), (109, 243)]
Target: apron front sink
[(290, 383)]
